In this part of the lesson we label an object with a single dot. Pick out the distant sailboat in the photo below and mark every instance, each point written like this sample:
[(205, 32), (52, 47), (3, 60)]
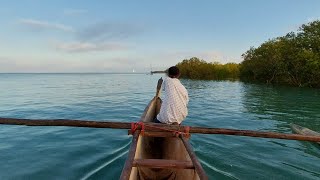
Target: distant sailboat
[(133, 70)]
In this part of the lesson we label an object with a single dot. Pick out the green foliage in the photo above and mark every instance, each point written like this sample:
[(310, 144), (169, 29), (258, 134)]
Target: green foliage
[(194, 68), (293, 59)]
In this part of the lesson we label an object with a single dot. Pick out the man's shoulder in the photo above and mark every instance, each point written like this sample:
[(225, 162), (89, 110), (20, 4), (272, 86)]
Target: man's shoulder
[(172, 80)]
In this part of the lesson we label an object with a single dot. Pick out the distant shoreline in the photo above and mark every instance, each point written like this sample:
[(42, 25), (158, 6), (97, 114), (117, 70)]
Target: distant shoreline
[(75, 73)]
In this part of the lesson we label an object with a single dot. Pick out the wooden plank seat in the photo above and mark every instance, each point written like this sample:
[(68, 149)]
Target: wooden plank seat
[(159, 134), (163, 164)]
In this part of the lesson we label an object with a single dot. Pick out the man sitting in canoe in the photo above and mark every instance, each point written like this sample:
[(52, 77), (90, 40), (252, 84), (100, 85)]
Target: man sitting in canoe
[(175, 100)]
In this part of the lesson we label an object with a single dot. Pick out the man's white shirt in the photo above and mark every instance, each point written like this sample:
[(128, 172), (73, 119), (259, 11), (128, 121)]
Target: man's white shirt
[(174, 102)]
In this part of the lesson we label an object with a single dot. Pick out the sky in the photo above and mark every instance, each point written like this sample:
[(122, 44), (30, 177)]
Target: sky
[(53, 36)]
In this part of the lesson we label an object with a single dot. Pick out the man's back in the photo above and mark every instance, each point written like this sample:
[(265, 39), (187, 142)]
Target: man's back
[(175, 101)]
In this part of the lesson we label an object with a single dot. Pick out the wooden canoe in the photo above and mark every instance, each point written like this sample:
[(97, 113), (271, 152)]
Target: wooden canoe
[(168, 149), (303, 130)]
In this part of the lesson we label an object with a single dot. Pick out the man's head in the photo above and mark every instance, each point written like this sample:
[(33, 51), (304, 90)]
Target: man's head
[(173, 72)]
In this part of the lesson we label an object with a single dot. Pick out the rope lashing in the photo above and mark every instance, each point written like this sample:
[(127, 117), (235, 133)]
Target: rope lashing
[(140, 125), (135, 126), (184, 133)]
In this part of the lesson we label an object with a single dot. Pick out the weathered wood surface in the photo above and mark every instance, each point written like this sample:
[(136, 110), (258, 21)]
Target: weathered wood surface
[(126, 171), (65, 122), (197, 165), (160, 148), (159, 134), (159, 87), (304, 131), (154, 126), (157, 72), (163, 164)]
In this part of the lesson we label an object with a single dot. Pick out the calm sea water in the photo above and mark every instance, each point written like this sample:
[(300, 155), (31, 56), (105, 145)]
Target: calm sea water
[(85, 153)]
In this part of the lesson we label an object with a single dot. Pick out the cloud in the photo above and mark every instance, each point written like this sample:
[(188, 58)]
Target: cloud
[(100, 37), (45, 25), (97, 37), (74, 12), (67, 64), (11, 65), (88, 47), (108, 31)]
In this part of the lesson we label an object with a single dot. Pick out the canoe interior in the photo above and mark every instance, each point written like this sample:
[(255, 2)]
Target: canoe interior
[(303, 130), (160, 148)]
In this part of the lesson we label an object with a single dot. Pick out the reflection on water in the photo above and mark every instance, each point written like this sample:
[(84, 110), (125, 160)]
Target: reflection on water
[(255, 107), (285, 104)]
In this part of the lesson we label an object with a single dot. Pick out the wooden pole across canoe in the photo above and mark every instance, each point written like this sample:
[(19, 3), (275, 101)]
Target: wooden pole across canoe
[(154, 126)]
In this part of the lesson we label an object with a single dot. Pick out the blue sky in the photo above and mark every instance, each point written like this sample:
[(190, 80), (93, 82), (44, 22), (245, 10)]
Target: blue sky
[(119, 36)]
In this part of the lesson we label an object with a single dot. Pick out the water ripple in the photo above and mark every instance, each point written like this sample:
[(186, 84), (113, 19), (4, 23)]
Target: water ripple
[(87, 153)]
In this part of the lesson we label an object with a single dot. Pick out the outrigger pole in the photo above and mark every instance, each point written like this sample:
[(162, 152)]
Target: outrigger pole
[(154, 127)]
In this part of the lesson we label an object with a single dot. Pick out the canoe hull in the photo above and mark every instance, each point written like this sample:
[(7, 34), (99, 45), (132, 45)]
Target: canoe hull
[(303, 130), (160, 148)]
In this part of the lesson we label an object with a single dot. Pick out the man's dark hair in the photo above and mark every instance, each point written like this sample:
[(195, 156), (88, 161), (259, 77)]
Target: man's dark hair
[(173, 71)]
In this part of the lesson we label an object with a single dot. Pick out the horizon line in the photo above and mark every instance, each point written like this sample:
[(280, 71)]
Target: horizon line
[(74, 72)]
